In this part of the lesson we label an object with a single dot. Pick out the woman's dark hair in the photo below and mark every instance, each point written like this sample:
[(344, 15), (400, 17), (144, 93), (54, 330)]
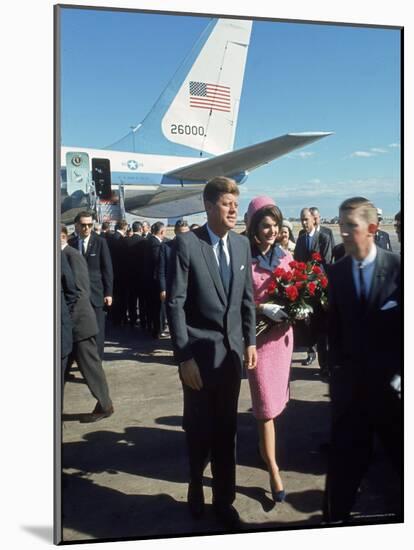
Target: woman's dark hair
[(272, 211)]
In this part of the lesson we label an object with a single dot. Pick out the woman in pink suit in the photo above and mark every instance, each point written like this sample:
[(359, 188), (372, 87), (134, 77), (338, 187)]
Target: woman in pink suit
[(269, 381)]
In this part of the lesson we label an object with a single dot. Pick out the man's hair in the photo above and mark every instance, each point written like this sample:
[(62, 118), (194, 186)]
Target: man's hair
[(219, 186), (63, 229), (397, 216), (272, 211), (156, 227), (122, 224), (366, 210), (314, 210), (136, 226), (305, 210), (84, 214), (180, 223), (105, 226)]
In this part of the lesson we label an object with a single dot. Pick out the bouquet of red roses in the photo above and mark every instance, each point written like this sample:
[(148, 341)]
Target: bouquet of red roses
[(297, 291)]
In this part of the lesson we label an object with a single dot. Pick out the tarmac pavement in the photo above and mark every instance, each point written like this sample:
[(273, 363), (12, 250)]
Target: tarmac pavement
[(126, 476)]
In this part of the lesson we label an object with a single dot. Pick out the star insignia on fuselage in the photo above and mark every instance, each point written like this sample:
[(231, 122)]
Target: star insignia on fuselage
[(132, 164)]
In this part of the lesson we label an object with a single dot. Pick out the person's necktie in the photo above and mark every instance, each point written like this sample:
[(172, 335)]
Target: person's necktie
[(308, 242), (224, 267), (362, 289)]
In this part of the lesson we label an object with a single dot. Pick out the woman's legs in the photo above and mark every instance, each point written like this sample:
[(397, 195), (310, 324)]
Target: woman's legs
[(267, 445)]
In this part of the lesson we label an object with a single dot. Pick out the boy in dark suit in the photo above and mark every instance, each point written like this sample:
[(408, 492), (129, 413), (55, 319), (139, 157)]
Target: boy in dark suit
[(365, 353), (210, 311)]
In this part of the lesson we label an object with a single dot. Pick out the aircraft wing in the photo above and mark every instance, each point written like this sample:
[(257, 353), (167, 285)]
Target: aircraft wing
[(247, 158)]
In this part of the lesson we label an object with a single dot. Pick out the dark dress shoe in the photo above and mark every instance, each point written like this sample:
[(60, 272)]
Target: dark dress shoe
[(228, 516), (98, 413), (195, 500), (310, 359)]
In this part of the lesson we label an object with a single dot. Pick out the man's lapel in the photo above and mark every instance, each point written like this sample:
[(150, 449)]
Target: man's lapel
[(91, 246), (378, 281), (211, 261)]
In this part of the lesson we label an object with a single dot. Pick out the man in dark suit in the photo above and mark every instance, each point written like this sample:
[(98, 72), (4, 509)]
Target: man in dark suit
[(326, 230), (181, 226), (133, 271), (210, 310), (365, 353), (382, 238), (69, 296), (311, 240), (85, 329), (152, 249), (97, 256), (118, 249)]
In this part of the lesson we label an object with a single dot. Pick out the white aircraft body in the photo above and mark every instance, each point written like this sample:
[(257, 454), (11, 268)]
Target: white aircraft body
[(186, 139)]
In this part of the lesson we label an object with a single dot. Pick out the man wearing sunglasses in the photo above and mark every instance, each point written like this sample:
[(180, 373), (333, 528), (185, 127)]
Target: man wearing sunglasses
[(96, 253)]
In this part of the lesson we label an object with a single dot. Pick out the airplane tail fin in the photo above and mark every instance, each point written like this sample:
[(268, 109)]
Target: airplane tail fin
[(196, 114)]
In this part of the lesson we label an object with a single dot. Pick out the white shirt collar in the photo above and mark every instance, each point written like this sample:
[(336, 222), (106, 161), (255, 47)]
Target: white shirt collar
[(368, 260), (215, 238)]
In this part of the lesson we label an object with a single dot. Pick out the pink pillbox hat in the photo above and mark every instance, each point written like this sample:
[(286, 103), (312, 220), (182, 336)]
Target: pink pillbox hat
[(256, 204)]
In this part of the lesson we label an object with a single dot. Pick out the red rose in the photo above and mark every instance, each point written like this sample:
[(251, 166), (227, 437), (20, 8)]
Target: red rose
[(316, 269), (271, 288), (316, 257), (324, 282), (293, 264), (301, 266), (292, 293), (311, 288), (278, 272), (287, 276)]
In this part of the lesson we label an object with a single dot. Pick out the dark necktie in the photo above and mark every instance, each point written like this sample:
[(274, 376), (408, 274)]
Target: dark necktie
[(308, 242), (362, 289), (224, 267)]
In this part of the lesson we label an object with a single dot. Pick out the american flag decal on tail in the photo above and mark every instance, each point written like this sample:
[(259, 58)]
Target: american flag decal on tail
[(210, 96)]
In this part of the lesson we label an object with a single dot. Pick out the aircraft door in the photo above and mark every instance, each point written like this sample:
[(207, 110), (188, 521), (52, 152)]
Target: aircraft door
[(101, 175), (77, 172)]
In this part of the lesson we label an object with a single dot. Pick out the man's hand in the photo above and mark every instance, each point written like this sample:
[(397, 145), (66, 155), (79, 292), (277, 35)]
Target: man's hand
[(190, 374), (250, 357), (163, 295), (108, 300)]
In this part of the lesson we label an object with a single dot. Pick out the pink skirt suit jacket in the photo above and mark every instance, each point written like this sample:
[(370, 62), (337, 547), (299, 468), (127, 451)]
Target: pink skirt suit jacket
[(269, 381)]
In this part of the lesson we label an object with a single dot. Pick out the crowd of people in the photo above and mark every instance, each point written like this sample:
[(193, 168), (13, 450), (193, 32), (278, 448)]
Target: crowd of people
[(207, 287)]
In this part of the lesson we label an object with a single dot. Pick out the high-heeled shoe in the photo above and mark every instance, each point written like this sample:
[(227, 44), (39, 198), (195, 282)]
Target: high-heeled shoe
[(278, 496)]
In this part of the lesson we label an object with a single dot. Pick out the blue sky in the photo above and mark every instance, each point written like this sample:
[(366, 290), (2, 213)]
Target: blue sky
[(299, 77)]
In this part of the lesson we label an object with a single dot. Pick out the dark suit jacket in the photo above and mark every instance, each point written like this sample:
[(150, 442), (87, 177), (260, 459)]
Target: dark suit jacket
[(163, 267), (382, 239), (327, 231), (133, 257), (204, 323), (100, 270), (69, 296), (84, 318), (320, 243), (152, 250), (365, 349)]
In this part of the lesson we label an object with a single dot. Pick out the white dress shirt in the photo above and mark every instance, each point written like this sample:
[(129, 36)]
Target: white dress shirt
[(368, 265), (81, 241), (215, 243)]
